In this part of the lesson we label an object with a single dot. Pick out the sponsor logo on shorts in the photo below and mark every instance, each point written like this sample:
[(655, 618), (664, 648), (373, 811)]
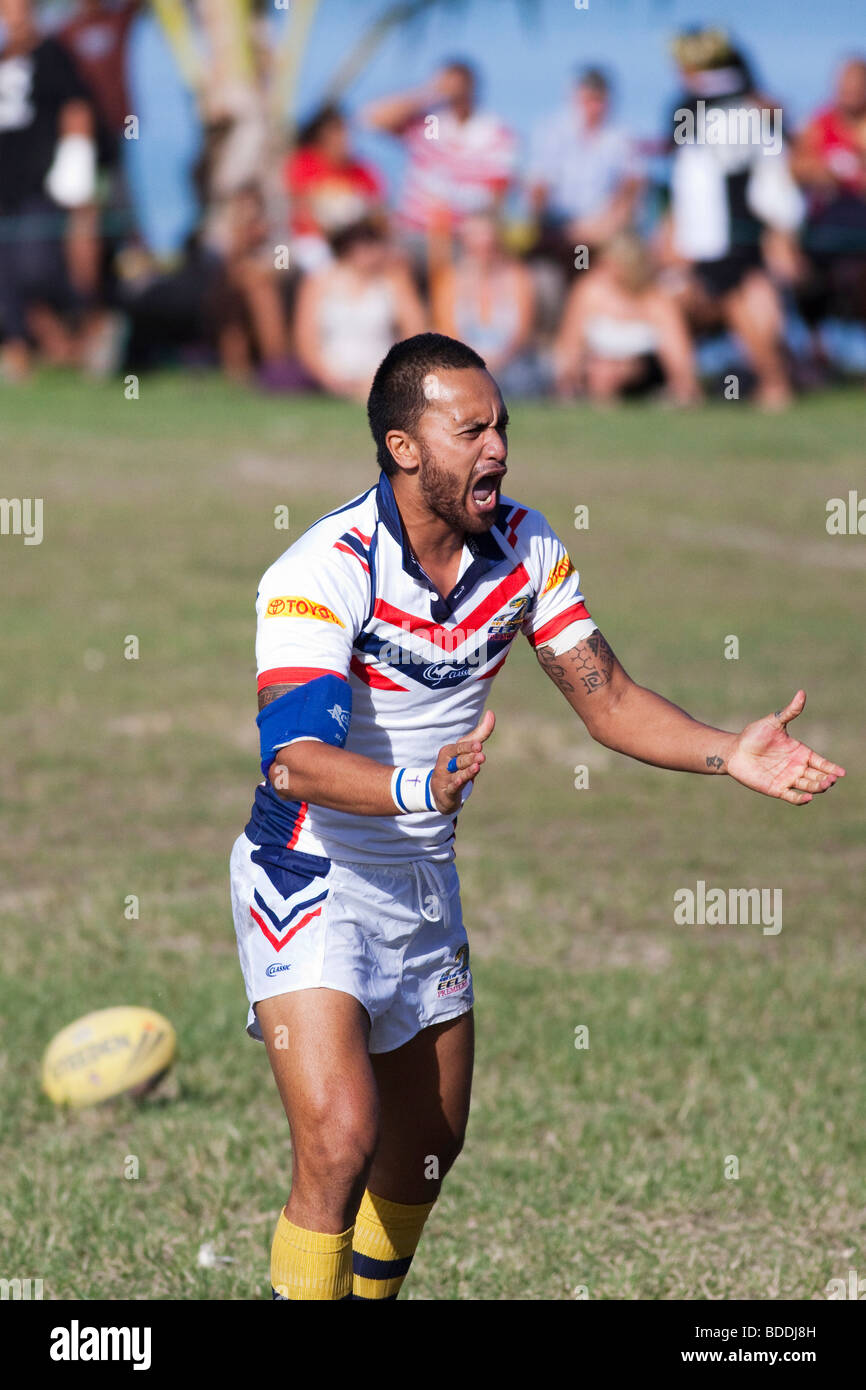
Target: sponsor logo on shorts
[(293, 606), (559, 572), (273, 970), (456, 977)]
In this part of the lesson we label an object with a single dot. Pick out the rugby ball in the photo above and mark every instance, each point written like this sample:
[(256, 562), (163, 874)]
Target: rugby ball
[(108, 1053)]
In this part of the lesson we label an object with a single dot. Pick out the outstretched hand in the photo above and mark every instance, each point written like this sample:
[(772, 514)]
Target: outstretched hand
[(766, 759)]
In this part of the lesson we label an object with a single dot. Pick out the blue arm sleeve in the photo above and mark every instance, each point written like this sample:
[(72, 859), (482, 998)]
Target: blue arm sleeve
[(320, 709)]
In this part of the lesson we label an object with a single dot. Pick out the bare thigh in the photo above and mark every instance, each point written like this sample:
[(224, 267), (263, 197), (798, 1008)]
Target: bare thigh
[(424, 1090), (317, 1041)]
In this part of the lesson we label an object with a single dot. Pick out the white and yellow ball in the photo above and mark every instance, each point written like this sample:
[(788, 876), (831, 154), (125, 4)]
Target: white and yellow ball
[(108, 1053)]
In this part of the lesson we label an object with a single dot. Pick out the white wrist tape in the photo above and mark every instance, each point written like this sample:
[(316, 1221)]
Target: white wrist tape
[(411, 789), (71, 180)]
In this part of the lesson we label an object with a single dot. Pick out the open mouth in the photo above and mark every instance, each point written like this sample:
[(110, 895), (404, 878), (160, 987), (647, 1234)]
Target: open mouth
[(485, 489)]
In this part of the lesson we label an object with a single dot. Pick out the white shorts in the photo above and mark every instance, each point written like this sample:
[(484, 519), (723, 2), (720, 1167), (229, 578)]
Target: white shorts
[(390, 935)]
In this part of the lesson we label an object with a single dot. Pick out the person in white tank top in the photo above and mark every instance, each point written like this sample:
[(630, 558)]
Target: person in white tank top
[(350, 312), (484, 296), (618, 326)]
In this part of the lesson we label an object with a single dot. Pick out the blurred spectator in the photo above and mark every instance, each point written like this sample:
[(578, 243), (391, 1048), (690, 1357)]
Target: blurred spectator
[(47, 167), (829, 161), (486, 298), (228, 63), (96, 37), (250, 321), (726, 193), (350, 313), (461, 159), (621, 334), (584, 175), (328, 186)]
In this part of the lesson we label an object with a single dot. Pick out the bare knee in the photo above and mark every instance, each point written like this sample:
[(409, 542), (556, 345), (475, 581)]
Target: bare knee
[(333, 1146)]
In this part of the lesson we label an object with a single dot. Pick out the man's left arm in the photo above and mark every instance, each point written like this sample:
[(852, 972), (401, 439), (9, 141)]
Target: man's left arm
[(630, 719)]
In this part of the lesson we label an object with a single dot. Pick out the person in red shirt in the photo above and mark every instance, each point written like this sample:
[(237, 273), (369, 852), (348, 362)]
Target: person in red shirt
[(829, 161), (830, 155), (329, 188)]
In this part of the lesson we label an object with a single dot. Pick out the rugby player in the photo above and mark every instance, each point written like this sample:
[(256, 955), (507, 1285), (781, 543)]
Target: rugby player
[(379, 632)]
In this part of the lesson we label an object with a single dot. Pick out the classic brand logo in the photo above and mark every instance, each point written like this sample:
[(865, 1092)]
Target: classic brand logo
[(293, 606), (559, 572), (441, 673)]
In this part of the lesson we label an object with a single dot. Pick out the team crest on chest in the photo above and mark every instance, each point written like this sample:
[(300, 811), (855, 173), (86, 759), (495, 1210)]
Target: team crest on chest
[(503, 628)]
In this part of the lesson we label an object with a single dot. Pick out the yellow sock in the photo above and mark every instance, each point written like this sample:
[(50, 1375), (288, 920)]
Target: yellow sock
[(386, 1238), (310, 1264)]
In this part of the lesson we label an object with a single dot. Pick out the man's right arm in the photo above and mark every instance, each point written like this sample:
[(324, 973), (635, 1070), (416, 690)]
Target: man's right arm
[(315, 772), (393, 114)]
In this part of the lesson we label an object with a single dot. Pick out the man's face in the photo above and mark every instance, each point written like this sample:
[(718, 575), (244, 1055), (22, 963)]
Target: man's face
[(592, 103), (458, 88), (462, 442)]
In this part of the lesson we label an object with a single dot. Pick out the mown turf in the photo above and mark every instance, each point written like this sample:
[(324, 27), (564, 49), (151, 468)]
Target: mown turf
[(601, 1169)]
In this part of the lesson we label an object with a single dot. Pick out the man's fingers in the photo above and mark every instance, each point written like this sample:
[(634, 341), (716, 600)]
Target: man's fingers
[(472, 758), (822, 765), (792, 709), (795, 798), (482, 731), (811, 782)]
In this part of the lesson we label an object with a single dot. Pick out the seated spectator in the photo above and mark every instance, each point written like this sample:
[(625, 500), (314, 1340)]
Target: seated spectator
[(329, 187), (621, 334), (47, 171), (486, 298), (461, 159), (351, 312), (585, 177), (726, 196), (829, 161), (246, 304)]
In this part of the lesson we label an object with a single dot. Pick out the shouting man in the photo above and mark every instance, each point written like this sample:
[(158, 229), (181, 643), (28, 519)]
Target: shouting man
[(379, 632)]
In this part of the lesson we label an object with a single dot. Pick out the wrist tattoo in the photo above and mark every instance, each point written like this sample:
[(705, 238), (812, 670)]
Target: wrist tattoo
[(716, 762)]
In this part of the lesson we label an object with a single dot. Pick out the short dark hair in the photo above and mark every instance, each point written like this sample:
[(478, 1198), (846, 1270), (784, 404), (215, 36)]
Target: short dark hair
[(397, 400), (595, 78), (345, 239), (466, 69), (311, 130)]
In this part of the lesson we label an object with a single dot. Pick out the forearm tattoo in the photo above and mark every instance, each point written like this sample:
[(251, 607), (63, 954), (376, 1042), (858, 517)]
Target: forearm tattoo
[(589, 665)]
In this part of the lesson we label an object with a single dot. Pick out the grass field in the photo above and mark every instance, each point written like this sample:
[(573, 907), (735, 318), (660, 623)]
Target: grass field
[(602, 1167)]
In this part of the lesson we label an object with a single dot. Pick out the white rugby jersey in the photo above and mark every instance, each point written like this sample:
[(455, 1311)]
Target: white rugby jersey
[(349, 599)]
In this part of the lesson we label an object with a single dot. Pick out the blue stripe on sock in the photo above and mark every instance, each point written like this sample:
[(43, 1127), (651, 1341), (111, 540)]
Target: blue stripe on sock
[(368, 1268)]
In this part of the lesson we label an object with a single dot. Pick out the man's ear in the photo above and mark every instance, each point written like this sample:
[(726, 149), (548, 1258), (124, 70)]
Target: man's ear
[(403, 450)]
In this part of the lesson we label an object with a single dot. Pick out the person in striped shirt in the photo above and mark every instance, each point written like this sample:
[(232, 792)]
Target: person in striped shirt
[(461, 159)]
